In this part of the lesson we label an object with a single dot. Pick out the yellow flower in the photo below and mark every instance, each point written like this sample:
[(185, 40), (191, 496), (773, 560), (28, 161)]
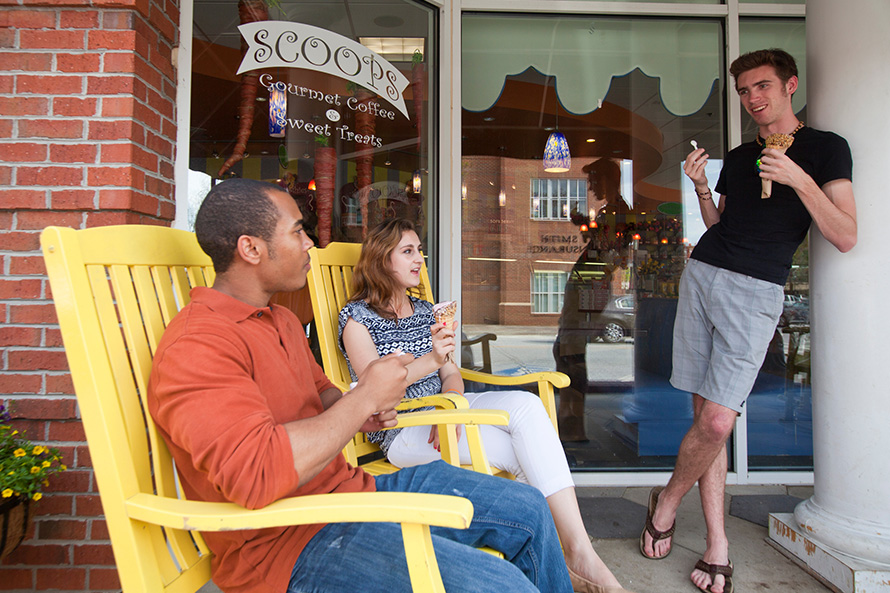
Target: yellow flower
[(63, 467), (35, 469), (38, 449), (19, 453), (7, 493), (37, 496), (46, 463)]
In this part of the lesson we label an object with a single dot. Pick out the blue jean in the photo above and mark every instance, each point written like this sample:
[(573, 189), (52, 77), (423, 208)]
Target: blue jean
[(508, 516)]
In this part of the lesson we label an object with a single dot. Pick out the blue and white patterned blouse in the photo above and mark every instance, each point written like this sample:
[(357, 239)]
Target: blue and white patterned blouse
[(411, 335)]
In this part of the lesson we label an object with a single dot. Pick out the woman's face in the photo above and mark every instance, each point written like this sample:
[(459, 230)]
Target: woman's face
[(406, 260)]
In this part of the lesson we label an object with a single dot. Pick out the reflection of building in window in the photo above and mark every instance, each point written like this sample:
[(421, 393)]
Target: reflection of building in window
[(547, 291), (554, 199)]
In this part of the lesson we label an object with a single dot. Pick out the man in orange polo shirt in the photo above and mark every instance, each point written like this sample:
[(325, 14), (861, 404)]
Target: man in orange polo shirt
[(250, 418)]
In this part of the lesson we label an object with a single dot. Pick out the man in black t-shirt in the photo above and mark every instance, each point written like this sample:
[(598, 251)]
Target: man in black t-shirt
[(731, 291)]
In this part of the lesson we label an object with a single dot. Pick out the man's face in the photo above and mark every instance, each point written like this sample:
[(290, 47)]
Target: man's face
[(287, 263), (764, 96)]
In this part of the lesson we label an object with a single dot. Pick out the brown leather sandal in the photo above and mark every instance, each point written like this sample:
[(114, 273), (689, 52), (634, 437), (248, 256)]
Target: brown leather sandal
[(713, 570), (654, 533)]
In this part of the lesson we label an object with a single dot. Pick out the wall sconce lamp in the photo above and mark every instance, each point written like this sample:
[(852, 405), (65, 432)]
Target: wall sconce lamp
[(415, 182), (502, 198)]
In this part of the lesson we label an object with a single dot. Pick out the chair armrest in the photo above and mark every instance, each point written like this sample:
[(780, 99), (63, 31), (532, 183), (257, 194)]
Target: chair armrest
[(478, 339), (555, 378), (361, 507), (485, 341), (442, 401), (546, 380), (465, 417), (447, 421)]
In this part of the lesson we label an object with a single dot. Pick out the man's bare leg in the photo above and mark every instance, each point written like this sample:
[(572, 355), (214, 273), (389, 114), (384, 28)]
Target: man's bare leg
[(711, 426), (712, 486)]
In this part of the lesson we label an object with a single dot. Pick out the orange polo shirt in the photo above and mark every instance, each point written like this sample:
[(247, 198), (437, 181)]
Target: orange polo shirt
[(225, 379)]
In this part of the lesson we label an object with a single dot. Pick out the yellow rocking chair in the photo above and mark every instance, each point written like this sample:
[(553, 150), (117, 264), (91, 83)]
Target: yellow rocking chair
[(330, 286), (115, 289)]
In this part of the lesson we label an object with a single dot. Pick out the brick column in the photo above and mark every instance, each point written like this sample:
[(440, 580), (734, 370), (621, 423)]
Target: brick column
[(87, 132)]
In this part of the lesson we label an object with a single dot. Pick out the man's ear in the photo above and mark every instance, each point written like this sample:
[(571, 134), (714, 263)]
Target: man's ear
[(792, 85), (250, 249)]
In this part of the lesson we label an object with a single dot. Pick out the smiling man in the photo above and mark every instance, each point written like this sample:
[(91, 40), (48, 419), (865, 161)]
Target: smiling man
[(731, 291)]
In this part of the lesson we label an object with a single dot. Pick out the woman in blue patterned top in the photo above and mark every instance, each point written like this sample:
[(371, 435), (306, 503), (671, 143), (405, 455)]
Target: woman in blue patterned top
[(381, 318)]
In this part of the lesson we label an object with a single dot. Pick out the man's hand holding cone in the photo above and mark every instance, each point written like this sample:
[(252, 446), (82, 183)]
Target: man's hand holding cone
[(780, 142)]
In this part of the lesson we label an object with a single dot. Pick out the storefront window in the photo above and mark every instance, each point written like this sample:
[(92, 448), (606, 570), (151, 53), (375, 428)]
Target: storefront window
[(779, 417), (601, 245), (329, 100)]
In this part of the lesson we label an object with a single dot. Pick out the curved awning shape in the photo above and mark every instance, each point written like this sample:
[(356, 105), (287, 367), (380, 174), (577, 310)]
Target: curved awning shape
[(585, 53)]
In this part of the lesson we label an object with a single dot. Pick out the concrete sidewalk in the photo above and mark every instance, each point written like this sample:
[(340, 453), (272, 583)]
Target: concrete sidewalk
[(620, 514), (758, 565)]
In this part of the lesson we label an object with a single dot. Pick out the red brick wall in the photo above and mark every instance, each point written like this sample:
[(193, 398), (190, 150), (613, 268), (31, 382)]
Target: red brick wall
[(87, 132), (500, 292)]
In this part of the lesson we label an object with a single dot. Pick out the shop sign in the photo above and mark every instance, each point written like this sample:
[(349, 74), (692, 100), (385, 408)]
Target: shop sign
[(557, 244), (282, 44)]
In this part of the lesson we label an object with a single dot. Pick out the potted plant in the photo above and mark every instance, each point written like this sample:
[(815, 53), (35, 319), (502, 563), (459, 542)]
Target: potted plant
[(24, 471)]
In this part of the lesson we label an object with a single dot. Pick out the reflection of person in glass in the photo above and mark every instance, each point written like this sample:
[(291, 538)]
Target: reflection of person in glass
[(731, 290), (588, 290)]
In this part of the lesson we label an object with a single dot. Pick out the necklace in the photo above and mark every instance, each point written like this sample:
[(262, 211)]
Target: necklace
[(800, 125), (403, 307)]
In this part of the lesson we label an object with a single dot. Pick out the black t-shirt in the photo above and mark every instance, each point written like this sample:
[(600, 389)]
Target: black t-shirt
[(758, 237)]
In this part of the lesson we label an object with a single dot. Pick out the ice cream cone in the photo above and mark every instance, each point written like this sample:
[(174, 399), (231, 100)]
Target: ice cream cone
[(780, 142), (444, 313)]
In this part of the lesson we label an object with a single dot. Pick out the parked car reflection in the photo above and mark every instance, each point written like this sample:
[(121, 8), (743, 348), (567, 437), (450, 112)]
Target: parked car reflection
[(616, 320), (795, 311)]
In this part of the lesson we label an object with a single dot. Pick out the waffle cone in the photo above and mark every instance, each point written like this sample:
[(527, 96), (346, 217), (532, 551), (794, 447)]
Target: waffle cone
[(444, 312), (780, 142)]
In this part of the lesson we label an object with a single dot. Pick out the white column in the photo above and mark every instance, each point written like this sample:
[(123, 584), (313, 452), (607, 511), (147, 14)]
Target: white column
[(848, 90)]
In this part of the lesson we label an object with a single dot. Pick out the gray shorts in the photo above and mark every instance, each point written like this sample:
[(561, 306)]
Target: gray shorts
[(725, 321)]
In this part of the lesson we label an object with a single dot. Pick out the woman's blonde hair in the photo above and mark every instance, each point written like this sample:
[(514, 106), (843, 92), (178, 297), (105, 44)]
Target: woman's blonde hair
[(372, 280)]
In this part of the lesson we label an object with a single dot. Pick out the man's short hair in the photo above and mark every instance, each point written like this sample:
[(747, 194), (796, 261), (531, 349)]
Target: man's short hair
[(231, 209), (781, 61)]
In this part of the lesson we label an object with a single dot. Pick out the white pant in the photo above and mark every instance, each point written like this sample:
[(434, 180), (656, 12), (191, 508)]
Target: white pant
[(527, 447)]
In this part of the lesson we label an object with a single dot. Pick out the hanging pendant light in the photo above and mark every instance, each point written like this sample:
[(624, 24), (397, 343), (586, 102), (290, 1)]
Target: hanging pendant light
[(556, 152)]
